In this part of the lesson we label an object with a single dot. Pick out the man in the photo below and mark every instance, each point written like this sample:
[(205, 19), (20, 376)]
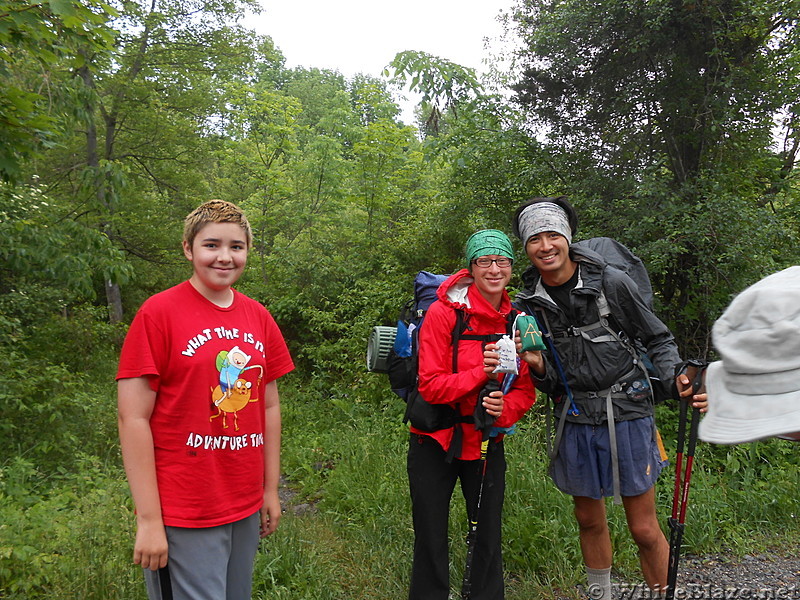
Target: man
[(606, 441)]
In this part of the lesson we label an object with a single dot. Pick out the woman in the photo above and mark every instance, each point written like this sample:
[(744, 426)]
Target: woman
[(437, 459)]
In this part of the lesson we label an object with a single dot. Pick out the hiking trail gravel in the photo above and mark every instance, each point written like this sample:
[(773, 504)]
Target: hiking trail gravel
[(773, 574)]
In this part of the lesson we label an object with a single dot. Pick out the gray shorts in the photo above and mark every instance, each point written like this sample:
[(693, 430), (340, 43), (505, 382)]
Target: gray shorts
[(582, 466), (207, 563)]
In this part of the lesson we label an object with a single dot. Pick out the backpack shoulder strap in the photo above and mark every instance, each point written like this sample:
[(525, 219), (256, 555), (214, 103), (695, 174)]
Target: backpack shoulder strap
[(407, 312), (599, 331), (512, 316), (605, 314), (456, 336), (622, 338), (602, 304), (462, 325)]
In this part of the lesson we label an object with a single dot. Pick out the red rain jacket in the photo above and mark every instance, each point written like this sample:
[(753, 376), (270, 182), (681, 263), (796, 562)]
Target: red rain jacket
[(437, 382)]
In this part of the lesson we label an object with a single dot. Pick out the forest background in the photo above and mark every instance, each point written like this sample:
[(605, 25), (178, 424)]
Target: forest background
[(672, 125)]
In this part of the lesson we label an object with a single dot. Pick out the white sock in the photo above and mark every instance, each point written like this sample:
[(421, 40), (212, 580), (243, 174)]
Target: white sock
[(599, 581)]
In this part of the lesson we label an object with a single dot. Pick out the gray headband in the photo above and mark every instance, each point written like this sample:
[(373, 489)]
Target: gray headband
[(541, 217)]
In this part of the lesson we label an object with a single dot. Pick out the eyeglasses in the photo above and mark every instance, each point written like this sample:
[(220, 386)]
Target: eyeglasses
[(502, 262)]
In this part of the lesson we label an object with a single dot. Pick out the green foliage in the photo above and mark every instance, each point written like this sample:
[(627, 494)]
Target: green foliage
[(372, 100), (47, 37), (59, 545), (443, 84), (681, 143), (145, 124), (39, 245), (678, 81), (437, 79), (50, 404), (662, 140), (56, 350)]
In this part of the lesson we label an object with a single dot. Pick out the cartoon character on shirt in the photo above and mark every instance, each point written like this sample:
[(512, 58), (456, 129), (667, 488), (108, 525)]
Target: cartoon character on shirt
[(231, 364), (231, 403)]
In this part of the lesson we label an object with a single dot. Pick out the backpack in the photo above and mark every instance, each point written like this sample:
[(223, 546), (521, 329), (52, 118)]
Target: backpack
[(619, 256), (402, 361)]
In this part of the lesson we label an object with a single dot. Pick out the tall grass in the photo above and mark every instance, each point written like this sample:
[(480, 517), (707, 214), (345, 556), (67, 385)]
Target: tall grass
[(70, 536)]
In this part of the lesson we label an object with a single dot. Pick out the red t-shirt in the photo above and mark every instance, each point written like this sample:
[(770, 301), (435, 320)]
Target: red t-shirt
[(209, 367)]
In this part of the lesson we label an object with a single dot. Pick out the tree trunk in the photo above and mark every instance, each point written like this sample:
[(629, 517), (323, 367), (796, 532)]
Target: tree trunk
[(114, 301), (113, 294)]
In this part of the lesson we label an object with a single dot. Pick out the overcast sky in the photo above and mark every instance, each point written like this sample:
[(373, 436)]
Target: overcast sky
[(363, 36)]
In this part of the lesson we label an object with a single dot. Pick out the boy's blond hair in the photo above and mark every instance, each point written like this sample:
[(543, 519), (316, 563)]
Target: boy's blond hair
[(215, 211)]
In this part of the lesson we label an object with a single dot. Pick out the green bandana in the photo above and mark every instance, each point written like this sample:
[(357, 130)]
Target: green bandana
[(488, 241)]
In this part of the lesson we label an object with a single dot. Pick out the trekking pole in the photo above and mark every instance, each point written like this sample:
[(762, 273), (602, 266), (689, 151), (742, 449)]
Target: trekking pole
[(680, 498), (472, 533)]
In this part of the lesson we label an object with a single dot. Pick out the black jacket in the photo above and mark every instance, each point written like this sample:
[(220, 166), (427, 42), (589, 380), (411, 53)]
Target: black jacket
[(592, 368)]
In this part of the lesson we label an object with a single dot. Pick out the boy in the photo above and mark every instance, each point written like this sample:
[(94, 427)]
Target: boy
[(202, 458)]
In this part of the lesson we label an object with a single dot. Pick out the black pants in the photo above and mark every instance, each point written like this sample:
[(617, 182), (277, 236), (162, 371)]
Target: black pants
[(432, 481)]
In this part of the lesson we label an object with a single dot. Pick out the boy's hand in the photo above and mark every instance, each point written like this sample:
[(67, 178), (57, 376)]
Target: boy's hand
[(150, 549), (270, 514)]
